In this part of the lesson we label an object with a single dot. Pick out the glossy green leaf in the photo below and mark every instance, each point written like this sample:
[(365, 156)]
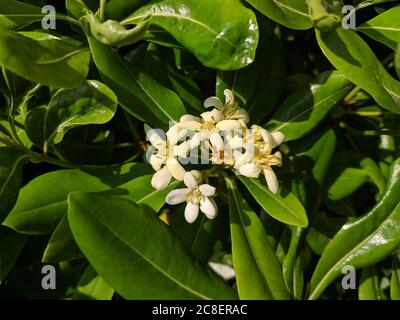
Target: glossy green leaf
[(91, 286), (137, 92), (303, 110), (253, 86), (224, 41), (283, 206), (11, 166), (119, 9), (346, 183), (43, 201), (198, 237), (368, 288), (90, 103), (140, 191), (15, 14), (142, 247), (44, 58), (258, 271), (11, 245), (355, 59), (155, 63), (363, 241), (384, 28), (291, 13)]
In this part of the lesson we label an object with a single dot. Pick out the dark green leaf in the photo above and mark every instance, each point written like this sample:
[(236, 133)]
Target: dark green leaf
[(219, 40), (142, 248), (44, 58), (283, 206)]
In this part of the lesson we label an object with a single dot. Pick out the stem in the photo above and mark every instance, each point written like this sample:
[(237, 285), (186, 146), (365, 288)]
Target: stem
[(351, 95), (12, 105), (102, 9)]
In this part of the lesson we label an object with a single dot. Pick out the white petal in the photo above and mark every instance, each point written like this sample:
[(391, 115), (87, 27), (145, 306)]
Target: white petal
[(191, 212), (213, 116), (208, 207), (190, 125), (216, 141), (156, 138), (175, 168), (195, 140), (175, 133), (177, 196), (156, 161), (229, 97), (182, 150), (244, 158), (277, 138), (249, 170), (207, 190), (189, 117), (161, 179), (228, 125), (190, 180), (213, 102), (236, 142), (272, 180)]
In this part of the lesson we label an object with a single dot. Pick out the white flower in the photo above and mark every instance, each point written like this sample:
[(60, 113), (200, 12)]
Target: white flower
[(224, 117), (197, 197), (164, 154), (258, 157)]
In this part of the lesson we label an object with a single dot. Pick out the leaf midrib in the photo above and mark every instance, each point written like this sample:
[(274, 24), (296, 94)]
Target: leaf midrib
[(249, 242), (275, 200), (151, 263), (178, 16)]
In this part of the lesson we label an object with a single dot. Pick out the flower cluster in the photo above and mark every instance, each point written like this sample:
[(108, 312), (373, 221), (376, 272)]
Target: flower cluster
[(220, 137)]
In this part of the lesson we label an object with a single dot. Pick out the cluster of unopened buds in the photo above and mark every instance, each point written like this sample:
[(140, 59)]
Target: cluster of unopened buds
[(218, 137)]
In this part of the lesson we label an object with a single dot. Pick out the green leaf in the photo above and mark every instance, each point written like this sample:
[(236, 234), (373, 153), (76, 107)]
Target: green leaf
[(138, 93), (252, 85), (15, 14), (304, 109), (258, 271), (368, 288), (364, 241), (349, 171), (155, 63), (384, 28), (283, 206), (44, 58), (140, 191), (11, 245), (11, 165), (198, 237), (219, 40), (355, 59), (348, 181), (395, 280), (290, 13), (119, 9), (142, 248), (43, 201), (91, 286), (61, 246), (90, 103)]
